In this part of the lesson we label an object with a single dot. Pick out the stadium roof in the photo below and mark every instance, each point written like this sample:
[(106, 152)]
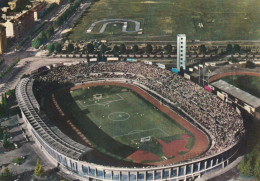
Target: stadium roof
[(44, 127), (238, 93)]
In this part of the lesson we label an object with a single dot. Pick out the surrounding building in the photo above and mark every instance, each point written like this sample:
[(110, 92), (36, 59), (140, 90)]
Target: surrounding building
[(232, 94), (3, 40), (39, 10), (53, 1), (15, 4), (181, 51), (20, 25)]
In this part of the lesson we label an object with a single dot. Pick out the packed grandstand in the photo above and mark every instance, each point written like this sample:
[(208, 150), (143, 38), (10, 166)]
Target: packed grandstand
[(218, 119)]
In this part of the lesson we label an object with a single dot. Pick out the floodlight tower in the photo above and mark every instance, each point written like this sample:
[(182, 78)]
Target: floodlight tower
[(181, 51)]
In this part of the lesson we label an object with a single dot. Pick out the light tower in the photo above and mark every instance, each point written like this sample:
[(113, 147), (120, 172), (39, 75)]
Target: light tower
[(181, 51)]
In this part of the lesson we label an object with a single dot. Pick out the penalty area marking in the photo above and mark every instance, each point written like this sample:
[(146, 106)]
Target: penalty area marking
[(103, 103)]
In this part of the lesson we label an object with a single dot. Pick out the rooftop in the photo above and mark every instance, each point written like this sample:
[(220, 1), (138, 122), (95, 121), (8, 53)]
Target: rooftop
[(238, 93)]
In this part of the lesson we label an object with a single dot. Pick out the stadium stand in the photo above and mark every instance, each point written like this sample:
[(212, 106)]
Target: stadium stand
[(217, 118)]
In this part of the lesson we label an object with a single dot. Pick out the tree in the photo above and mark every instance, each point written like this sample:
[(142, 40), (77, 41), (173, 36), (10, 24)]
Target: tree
[(233, 60), (115, 49), (38, 171), (37, 42), (42, 36), (237, 48), (148, 48), (99, 57), (122, 48), (5, 142), (58, 22), (229, 48), (250, 64), (49, 32), (70, 48), (135, 49), (202, 49), (257, 168), (168, 48), (58, 47), (90, 47), (103, 48), (50, 47), (245, 166), (7, 172)]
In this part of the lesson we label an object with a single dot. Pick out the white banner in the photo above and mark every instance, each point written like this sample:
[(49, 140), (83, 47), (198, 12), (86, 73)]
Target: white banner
[(222, 96), (112, 59), (186, 76), (93, 59), (161, 65), (148, 62)]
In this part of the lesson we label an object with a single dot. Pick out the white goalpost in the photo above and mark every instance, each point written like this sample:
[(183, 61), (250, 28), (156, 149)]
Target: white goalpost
[(145, 139)]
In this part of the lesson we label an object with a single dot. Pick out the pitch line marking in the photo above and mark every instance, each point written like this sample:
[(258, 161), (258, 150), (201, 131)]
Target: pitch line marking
[(101, 104), (140, 131), (118, 120)]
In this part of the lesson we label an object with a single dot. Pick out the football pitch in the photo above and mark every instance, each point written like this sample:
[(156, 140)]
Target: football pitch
[(120, 123), (163, 19)]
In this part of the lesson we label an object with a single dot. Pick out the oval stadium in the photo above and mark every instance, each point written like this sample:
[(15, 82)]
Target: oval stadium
[(128, 121)]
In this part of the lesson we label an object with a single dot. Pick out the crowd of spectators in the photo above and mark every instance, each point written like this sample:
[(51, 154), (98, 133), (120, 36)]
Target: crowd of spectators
[(222, 122)]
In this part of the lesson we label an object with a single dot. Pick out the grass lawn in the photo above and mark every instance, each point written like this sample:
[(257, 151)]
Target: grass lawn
[(164, 19), (115, 119)]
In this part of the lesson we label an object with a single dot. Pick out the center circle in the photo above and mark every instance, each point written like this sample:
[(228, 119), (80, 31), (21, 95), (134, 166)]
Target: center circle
[(118, 116)]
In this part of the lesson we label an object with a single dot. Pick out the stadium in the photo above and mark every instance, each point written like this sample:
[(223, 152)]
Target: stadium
[(127, 121)]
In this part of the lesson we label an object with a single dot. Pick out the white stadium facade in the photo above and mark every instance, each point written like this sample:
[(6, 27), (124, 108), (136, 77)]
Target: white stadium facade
[(68, 154)]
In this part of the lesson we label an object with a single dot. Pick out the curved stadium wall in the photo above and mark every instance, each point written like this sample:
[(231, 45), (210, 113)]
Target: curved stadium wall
[(66, 153)]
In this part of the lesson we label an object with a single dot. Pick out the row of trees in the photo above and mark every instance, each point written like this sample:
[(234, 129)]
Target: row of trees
[(73, 7), (229, 49), (38, 172), (116, 49), (44, 36), (4, 105), (51, 47), (122, 48), (233, 48)]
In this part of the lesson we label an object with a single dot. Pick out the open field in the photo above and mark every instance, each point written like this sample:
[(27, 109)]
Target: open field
[(164, 19), (128, 119), (125, 123)]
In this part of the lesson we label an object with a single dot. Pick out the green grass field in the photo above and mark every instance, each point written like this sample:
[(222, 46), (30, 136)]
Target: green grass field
[(164, 19), (250, 84), (115, 119)]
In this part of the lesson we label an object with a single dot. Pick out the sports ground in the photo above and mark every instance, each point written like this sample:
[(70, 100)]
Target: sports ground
[(163, 19), (119, 122)]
